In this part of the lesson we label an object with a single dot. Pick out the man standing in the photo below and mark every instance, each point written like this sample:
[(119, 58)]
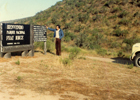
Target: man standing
[(58, 34)]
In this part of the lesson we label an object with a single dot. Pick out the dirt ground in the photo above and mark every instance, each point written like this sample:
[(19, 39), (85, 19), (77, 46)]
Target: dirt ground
[(44, 77)]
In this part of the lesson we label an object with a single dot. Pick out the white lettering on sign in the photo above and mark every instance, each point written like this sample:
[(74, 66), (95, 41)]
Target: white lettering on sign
[(9, 43), (17, 43), (19, 37), (20, 32), (9, 38), (10, 32), (15, 27)]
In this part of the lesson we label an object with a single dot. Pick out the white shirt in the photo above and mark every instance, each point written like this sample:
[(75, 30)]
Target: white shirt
[(57, 34)]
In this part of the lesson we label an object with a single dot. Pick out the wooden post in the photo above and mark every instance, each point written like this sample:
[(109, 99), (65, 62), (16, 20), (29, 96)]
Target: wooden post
[(1, 54), (24, 53), (31, 52), (45, 48), (7, 55)]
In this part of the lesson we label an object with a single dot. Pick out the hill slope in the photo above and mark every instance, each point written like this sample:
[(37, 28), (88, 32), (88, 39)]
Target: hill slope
[(92, 24)]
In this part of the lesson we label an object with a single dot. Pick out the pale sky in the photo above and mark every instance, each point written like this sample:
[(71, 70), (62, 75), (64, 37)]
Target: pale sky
[(15, 9)]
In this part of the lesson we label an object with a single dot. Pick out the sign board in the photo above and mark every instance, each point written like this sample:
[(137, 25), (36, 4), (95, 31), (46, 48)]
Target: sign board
[(15, 34), (16, 38), (40, 33)]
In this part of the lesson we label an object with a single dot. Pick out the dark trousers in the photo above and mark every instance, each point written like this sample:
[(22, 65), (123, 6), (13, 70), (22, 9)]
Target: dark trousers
[(58, 46)]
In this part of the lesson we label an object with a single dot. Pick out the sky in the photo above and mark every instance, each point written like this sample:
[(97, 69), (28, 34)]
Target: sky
[(16, 9)]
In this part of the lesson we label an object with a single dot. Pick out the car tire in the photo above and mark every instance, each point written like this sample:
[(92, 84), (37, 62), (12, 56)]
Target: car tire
[(137, 60)]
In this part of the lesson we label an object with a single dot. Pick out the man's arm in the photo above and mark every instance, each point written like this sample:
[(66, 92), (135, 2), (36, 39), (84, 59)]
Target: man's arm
[(50, 28)]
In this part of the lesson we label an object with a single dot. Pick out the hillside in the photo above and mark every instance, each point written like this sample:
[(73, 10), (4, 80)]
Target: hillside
[(92, 24)]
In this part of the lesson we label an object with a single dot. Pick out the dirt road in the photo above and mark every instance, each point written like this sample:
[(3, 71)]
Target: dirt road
[(111, 60)]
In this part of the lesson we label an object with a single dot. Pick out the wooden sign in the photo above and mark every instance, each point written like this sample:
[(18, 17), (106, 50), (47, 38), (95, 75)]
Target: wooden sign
[(15, 34), (16, 38), (40, 33)]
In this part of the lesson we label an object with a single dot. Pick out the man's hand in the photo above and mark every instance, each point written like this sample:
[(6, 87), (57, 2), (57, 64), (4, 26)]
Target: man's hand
[(47, 27)]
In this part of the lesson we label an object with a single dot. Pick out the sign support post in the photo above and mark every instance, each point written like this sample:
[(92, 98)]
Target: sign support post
[(45, 48)]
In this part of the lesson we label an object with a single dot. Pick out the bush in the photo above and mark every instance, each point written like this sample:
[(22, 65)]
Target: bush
[(130, 66), (95, 12), (73, 53), (67, 39), (136, 22), (128, 41), (118, 32), (66, 61), (69, 36), (138, 4), (79, 4), (68, 25), (101, 52), (103, 10), (19, 78), (116, 10), (124, 21), (129, 44), (83, 18), (135, 14), (109, 2), (70, 2), (49, 44), (115, 45), (39, 45), (120, 54), (96, 46), (96, 18), (114, 16), (128, 48), (17, 62), (82, 58), (89, 41), (63, 48), (81, 39), (78, 28), (123, 14), (54, 20), (124, 2)]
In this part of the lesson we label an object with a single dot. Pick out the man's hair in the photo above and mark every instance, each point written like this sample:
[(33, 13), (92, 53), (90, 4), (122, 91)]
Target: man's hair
[(58, 26)]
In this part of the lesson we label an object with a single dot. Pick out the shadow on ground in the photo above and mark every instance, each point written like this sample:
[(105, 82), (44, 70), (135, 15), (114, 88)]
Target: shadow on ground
[(122, 60), (43, 52)]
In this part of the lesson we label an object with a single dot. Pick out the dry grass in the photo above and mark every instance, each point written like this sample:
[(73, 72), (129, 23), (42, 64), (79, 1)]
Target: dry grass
[(83, 80)]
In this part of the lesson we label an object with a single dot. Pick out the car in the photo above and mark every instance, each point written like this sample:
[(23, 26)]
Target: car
[(135, 57)]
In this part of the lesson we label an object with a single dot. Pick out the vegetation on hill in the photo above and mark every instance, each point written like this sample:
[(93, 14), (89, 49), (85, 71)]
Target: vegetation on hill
[(94, 24)]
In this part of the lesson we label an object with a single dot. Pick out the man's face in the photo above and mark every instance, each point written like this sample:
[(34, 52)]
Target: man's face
[(57, 27)]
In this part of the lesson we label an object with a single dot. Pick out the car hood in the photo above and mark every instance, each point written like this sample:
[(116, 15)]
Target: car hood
[(136, 45)]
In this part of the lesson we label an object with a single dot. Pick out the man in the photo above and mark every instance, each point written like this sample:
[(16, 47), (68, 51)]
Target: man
[(58, 34)]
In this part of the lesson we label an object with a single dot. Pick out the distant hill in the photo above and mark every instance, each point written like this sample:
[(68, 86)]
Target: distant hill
[(14, 21), (110, 24)]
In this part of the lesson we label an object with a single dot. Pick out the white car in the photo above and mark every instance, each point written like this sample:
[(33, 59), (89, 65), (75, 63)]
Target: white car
[(135, 57)]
